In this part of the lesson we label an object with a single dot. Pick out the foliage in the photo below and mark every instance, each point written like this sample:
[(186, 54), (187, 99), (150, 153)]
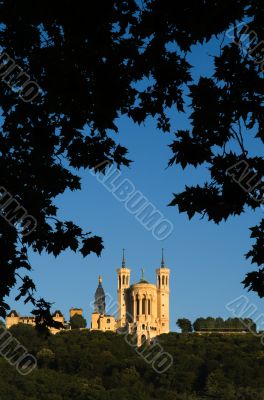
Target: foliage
[(45, 357), (121, 58), (231, 324), (77, 322), (184, 324), (88, 365)]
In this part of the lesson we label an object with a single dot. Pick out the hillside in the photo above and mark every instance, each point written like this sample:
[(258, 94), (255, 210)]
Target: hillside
[(97, 366)]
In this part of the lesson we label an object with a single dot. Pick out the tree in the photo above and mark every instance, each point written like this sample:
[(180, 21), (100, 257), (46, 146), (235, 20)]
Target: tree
[(102, 366), (226, 111), (45, 357), (77, 321), (67, 75), (199, 324), (185, 325), (250, 324), (219, 323), (218, 386)]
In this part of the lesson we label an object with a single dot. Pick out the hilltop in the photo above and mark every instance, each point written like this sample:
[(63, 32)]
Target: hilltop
[(83, 365)]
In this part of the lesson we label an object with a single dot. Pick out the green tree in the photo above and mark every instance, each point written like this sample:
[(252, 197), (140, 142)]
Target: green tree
[(185, 325), (219, 387), (219, 323), (248, 322), (199, 324), (78, 321), (45, 357), (210, 323), (90, 68)]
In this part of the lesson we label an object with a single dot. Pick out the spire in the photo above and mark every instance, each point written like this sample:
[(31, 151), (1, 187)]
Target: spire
[(123, 259), (162, 258), (99, 298), (142, 274)]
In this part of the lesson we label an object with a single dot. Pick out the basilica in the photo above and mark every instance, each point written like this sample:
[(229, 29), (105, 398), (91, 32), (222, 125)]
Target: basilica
[(142, 307)]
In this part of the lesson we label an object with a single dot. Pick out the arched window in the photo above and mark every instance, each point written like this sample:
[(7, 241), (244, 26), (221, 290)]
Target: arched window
[(119, 281), (137, 303), (163, 280), (143, 339), (123, 279), (144, 306), (127, 280), (148, 306), (143, 327), (158, 281)]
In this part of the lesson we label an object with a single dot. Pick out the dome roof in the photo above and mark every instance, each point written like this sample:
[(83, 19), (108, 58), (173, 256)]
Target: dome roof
[(142, 281)]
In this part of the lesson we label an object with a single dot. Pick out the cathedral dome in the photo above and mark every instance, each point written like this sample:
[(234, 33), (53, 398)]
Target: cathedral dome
[(143, 284), (143, 280)]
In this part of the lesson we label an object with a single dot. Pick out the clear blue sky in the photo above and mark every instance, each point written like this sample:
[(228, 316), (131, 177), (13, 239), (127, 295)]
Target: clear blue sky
[(206, 260)]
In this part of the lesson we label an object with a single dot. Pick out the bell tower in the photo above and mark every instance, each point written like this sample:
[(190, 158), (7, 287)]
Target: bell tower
[(99, 298), (163, 291), (123, 283)]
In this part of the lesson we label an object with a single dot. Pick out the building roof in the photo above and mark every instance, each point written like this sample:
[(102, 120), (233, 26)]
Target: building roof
[(57, 312), (142, 281), (142, 284), (13, 312)]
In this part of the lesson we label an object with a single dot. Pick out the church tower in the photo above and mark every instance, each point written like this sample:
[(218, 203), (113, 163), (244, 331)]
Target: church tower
[(123, 283), (101, 321), (163, 290), (99, 298)]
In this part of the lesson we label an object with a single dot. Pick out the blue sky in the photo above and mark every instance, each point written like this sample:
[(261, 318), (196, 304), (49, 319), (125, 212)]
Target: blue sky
[(206, 260)]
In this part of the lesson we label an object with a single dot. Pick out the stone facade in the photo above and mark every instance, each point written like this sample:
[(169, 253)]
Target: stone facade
[(101, 322), (13, 318), (76, 311), (143, 308)]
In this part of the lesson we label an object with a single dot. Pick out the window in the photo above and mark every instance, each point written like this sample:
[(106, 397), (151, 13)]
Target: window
[(149, 307), (144, 306), (163, 280), (123, 279), (137, 303), (143, 327), (108, 320), (163, 324), (143, 339)]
